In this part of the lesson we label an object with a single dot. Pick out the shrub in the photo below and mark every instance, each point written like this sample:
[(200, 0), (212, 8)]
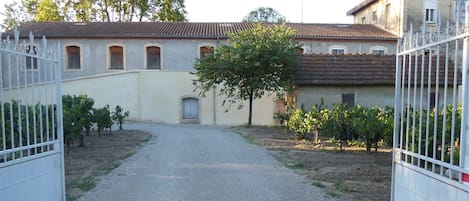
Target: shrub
[(103, 119), (297, 124), (118, 116)]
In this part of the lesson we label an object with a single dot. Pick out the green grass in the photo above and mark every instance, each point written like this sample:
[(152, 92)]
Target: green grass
[(294, 165), (87, 183), (249, 139), (318, 184), (72, 198), (129, 154), (342, 187), (333, 194)]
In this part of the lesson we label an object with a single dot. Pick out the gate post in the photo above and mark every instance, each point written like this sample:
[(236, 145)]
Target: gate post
[(464, 159)]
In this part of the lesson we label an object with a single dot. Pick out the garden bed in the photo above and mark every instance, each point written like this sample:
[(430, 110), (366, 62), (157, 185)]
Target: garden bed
[(350, 175), (100, 155)]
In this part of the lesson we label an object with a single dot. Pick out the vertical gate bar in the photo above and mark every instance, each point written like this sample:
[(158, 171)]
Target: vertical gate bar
[(10, 90), (60, 134), (2, 101), (18, 99), (464, 159), (46, 100), (408, 106), (429, 87), (445, 92), (35, 65), (25, 76), (455, 106), (414, 104), (435, 117), (402, 91), (397, 112), (421, 112), (40, 102), (55, 105)]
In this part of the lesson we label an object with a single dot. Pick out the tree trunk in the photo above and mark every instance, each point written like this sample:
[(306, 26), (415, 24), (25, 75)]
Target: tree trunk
[(120, 125), (368, 143), (106, 11), (250, 109), (81, 142), (376, 146), (316, 136)]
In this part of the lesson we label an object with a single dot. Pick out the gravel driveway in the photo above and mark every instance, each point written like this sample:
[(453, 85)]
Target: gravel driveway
[(200, 163)]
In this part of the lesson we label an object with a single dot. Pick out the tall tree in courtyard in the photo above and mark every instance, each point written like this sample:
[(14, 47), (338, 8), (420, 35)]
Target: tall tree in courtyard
[(255, 62), (265, 14), (47, 11), (170, 11)]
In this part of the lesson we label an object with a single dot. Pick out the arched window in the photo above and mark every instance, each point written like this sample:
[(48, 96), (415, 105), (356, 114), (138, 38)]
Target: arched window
[(190, 108), (73, 57), (153, 57), (116, 58), (31, 62), (206, 50)]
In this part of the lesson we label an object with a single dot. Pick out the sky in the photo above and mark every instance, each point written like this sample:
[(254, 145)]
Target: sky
[(307, 11), (314, 11)]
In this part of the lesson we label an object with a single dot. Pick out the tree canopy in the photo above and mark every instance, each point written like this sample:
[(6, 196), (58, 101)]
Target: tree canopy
[(255, 62), (265, 14), (47, 11), (93, 10)]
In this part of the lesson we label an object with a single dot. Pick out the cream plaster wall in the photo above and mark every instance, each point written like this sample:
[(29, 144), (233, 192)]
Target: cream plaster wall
[(156, 96), (115, 89), (368, 96)]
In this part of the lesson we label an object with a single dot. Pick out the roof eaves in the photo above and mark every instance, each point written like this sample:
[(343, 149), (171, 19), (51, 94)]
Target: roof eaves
[(387, 38), (360, 6), (381, 83)]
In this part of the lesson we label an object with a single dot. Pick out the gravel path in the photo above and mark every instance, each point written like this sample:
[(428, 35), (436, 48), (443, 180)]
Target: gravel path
[(192, 162)]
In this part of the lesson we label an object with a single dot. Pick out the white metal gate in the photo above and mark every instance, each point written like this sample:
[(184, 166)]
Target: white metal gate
[(431, 106), (31, 138)]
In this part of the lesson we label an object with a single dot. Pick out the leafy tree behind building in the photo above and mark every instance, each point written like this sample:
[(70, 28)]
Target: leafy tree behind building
[(265, 14), (17, 13)]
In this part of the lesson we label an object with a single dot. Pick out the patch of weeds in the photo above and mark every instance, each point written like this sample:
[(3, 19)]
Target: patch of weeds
[(129, 154), (333, 194), (72, 198), (342, 187), (249, 139), (295, 165), (318, 184), (111, 167), (86, 183), (147, 139)]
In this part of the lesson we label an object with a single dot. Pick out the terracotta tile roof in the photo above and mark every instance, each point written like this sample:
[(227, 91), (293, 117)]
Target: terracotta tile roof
[(361, 70), (193, 30), (360, 6)]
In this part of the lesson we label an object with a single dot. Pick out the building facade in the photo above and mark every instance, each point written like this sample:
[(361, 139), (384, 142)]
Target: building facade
[(145, 66), (397, 16)]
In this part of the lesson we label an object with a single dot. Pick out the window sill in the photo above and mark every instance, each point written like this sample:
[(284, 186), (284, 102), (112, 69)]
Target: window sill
[(190, 121), (72, 70)]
